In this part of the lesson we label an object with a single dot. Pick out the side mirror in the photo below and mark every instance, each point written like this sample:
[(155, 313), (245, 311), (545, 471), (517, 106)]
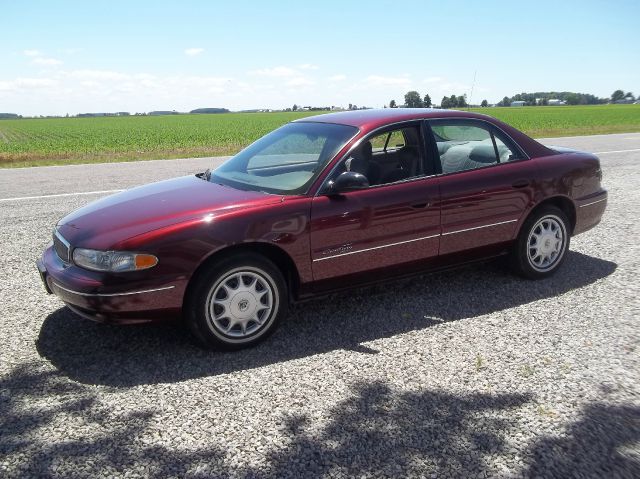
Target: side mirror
[(347, 181)]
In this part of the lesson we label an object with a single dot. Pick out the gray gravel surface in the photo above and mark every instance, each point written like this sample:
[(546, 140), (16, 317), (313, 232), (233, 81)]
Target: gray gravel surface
[(469, 373)]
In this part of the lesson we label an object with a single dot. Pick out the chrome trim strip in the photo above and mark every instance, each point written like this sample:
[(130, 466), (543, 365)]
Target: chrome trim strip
[(61, 238), (594, 202), (67, 245), (412, 240), (129, 293), (401, 122), (376, 247), (478, 227)]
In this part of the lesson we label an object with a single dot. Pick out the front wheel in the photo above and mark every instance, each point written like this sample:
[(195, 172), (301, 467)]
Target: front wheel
[(236, 303), (542, 243)]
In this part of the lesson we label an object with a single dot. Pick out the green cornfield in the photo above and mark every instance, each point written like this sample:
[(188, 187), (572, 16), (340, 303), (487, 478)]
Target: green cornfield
[(551, 121), (33, 142)]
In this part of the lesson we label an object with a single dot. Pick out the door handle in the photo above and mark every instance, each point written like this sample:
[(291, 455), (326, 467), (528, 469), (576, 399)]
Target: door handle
[(521, 184), (418, 206)]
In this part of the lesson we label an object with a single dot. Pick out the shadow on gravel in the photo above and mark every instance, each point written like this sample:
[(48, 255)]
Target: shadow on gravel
[(97, 441), (382, 433), (377, 431), (604, 443), (124, 356)]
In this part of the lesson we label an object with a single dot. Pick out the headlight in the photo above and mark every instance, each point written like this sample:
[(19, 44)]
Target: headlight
[(113, 261)]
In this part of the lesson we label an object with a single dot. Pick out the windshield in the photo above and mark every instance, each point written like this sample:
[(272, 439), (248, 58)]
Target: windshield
[(287, 160)]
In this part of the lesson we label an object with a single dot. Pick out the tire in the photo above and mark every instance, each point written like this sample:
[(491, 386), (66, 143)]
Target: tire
[(542, 244), (236, 303)]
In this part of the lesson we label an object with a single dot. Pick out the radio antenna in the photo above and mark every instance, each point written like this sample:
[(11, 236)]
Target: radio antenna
[(472, 86)]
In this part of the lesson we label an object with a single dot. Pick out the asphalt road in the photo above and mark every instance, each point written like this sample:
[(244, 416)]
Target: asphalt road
[(469, 373)]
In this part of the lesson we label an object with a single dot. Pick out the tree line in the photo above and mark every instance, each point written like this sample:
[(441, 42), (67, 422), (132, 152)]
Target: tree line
[(570, 98), (413, 99)]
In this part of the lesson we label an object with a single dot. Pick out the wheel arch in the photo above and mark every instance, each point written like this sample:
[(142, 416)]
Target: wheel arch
[(277, 255), (563, 203)]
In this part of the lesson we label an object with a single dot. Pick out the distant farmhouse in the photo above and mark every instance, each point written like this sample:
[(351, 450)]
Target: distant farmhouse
[(518, 103)]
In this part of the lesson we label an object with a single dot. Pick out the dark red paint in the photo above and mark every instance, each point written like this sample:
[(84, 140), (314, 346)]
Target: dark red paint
[(187, 221)]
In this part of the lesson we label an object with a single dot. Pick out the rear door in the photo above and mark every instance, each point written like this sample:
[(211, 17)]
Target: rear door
[(486, 184)]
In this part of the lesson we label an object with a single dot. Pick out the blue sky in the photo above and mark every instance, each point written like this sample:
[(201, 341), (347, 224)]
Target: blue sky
[(69, 57)]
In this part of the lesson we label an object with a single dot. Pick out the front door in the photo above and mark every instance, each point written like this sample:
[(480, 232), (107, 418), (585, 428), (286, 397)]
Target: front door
[(393, 222), (374, 228)]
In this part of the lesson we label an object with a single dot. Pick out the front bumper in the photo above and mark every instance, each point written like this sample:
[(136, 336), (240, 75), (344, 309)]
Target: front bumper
[(110, 298)]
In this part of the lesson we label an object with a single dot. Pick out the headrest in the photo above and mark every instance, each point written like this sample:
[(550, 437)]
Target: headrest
[(367, 150), (357, 164), (483, 154)]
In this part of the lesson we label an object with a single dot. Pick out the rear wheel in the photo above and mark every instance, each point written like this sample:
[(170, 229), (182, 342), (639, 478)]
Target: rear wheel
[(542, 243), (237, 303)]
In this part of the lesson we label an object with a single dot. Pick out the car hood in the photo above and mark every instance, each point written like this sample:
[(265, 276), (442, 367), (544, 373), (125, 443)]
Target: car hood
[(116, 218)]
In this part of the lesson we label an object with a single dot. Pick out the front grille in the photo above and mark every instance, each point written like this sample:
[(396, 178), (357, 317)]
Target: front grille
[(61, 247)]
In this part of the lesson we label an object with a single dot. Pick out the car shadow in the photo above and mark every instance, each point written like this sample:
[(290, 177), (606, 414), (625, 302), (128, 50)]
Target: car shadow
[(125, 356)]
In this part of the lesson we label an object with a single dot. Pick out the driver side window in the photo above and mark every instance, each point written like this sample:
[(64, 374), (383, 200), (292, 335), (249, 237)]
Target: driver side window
[(388, 157)]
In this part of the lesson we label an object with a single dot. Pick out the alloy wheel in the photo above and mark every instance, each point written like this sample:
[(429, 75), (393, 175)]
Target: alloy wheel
[(546, 243), (241, 303)]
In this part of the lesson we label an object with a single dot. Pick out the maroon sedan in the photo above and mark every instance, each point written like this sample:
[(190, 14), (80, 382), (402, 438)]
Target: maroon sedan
[(322, 203)]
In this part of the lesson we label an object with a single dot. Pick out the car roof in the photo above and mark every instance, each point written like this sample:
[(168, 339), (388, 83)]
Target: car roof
[(367, 120)]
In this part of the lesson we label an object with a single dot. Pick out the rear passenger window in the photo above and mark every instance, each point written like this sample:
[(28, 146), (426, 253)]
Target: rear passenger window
[(388, 141), (396, 140), (466, 146)]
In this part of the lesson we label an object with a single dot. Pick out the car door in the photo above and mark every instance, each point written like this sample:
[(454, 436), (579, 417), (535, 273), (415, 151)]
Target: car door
[(486, 184), (380, 226)]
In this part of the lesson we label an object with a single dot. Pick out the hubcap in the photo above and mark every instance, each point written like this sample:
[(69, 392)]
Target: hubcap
[(546, 243), (241, 303)]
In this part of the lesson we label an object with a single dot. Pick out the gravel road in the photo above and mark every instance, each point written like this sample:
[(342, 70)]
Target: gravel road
[(469, 373)]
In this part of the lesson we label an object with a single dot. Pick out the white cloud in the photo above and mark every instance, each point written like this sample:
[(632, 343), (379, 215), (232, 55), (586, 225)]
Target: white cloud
[(48, 62), (35, 82), (90, 83), (98, 75), (455, 87), (300, 82), (433, 80), (27, 84), (377, 80), (195, 81), (60, 90), (275, 72), (308, 66), (38, 58), (76, 91), (192, 52)]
